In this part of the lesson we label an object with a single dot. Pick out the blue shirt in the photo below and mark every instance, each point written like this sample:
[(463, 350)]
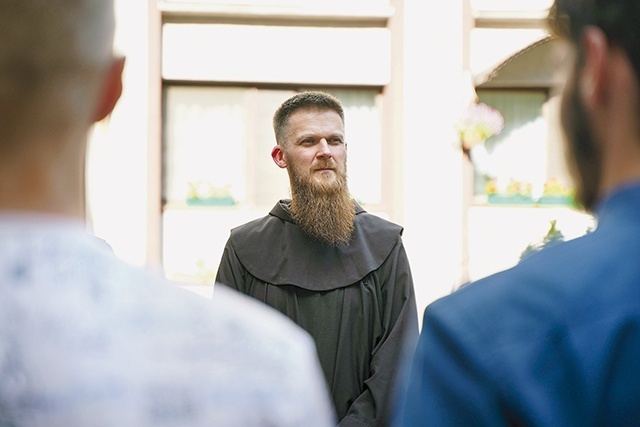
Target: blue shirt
[(554, 341)]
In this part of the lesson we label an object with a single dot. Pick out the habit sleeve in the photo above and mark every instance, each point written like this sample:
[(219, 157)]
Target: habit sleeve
[(230, 271), (399, 331)]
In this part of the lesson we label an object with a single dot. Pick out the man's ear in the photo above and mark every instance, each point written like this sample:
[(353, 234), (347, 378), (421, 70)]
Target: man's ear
[(111, 90), (593, 79), (277, 154)]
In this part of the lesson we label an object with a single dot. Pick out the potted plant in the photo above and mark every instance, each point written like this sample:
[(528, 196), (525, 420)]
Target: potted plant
[(515, 193), (556, 194), (478, 123), (202, 193)]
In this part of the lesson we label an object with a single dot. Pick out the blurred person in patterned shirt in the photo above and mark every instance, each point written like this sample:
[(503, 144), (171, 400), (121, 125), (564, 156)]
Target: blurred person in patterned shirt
[(85, 339)]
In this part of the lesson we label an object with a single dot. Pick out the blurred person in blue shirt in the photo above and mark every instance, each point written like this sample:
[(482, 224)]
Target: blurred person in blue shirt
[(555, 340)]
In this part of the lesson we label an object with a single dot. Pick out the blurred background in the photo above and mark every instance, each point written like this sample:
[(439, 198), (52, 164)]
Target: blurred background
[(186, 154)]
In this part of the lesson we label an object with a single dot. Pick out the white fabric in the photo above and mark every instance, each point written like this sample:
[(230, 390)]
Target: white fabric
[(87, 340)]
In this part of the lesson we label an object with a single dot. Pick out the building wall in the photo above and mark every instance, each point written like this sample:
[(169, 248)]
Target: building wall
[(430, 51), (435, 91), (122, 174)]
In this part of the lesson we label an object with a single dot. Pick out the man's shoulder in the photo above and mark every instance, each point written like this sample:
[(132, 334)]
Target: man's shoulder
[(369, 222), (108, 322), (231, 321), (249, 334), (257, 225), (546, 289), (259, 320), (497, 293)]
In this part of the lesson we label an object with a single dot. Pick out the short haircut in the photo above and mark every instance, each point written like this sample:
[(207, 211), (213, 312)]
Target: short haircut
[(304, 100), (618, 19), (52, 53)]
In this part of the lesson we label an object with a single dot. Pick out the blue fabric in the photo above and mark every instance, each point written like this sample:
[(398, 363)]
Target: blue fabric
[(554, 341)]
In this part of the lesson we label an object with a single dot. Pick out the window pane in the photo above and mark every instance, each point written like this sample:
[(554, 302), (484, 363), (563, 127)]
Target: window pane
[(270, 182), (217, 147), (204, 150), (519, 153), (362, 128)]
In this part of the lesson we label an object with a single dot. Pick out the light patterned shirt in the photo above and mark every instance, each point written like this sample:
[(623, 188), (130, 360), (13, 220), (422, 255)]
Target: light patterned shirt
[(88, 340)]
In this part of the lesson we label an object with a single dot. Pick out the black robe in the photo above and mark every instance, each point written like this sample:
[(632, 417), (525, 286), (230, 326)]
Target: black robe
[(356, 301)]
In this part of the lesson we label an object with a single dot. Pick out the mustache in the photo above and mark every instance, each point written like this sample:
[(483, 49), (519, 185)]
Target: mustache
[(327, 164)]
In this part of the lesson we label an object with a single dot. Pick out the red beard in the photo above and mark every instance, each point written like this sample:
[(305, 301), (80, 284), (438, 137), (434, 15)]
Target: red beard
[(323, 209)]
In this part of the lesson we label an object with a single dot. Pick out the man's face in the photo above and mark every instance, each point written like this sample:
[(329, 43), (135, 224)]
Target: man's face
[(315, 149), (315, 155), (583, 156)]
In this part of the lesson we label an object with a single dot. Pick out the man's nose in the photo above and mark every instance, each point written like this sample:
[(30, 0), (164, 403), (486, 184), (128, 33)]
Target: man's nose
[(324, 151)]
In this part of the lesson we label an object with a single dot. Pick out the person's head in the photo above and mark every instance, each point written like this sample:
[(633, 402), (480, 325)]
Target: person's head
[(305, 100), (57, 69), (309, 130), (602, 90)]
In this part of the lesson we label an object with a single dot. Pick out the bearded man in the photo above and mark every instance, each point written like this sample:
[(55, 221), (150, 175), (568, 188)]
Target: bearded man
[(555, 340), (336, 270)]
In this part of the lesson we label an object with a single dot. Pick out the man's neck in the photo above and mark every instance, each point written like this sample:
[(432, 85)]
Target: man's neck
[(43, 182), (620, 160)]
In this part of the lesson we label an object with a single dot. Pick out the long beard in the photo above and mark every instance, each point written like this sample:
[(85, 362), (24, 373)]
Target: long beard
[(325, 211), (583, 155)]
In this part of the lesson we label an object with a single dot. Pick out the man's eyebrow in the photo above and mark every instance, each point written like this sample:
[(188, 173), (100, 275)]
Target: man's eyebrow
[(316, 135), (306, 135)]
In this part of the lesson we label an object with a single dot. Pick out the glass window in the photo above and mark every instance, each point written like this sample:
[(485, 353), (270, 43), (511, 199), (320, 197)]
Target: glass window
[(218, 172), (204, 150), (525, 161)]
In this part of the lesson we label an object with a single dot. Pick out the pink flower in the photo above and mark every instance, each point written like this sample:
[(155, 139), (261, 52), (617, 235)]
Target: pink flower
[(479, 122)]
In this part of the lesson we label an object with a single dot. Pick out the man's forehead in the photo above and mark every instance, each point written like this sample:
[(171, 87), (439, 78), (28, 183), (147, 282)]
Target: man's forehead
[(313, 122), (314, 110), (311, 117)]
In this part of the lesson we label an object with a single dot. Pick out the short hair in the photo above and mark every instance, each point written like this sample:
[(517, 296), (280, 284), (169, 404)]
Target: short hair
[(618, 19), (304, 100), (52, 53)]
